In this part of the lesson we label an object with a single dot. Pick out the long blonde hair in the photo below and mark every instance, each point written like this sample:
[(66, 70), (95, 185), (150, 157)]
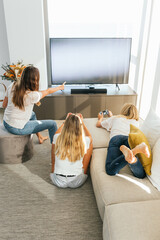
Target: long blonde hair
[(70, 143), (130, 111)]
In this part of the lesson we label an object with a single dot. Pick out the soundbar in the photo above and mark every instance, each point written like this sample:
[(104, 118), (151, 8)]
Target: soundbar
[(90, 90)]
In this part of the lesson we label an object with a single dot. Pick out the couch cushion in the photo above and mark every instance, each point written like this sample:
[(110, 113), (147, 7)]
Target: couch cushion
[(100, 136), (155, 169), (123, 187), (151, 127), (136, 136), (135, 220)]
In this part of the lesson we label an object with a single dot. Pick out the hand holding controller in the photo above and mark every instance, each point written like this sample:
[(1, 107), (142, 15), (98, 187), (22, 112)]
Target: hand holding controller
[(105, 112)]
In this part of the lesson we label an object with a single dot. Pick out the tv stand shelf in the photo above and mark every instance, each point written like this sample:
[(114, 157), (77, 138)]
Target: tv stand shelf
[(57, 105)]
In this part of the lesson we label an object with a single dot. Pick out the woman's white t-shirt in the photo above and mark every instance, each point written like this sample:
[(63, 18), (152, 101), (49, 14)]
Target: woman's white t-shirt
[(16, 117), (118, 125), (66, 167)]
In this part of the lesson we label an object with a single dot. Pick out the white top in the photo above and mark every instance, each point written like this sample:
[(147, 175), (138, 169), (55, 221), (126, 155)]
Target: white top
[(66, 167), (16, 117), (118, 125)]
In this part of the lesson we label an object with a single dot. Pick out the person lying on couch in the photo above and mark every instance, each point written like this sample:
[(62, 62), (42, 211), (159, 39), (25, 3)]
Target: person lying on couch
[(119, 152)]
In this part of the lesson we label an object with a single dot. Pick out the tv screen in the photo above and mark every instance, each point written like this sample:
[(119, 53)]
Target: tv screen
[(90, 60)]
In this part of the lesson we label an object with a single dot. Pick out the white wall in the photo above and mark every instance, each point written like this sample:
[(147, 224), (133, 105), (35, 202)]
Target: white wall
[(26, 34), (100, 18), (4, 52)]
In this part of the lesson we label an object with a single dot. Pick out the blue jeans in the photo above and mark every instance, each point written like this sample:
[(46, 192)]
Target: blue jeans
[(34, 126), (115, 159)]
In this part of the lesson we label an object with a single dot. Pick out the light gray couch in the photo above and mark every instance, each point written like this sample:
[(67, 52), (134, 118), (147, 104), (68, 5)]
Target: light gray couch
[(129, 207)]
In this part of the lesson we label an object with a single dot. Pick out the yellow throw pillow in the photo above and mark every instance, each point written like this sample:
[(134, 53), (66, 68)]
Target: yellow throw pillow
[(136, 136)]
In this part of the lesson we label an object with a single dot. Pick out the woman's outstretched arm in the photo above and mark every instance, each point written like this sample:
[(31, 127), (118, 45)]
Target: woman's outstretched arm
[(52, 90)]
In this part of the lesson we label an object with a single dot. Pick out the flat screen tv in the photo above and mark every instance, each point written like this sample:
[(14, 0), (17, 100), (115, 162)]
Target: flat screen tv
[(90, 60)]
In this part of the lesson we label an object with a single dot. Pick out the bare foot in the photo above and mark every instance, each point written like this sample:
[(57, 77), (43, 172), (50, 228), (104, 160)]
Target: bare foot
[(128, 154), (141, 148), (42, 139)]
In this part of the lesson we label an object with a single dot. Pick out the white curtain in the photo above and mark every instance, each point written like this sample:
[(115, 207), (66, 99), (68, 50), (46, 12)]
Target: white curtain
[(150, 89)]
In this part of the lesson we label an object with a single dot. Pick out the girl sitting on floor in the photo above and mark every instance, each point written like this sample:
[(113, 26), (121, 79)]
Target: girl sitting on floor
[(71, 153)]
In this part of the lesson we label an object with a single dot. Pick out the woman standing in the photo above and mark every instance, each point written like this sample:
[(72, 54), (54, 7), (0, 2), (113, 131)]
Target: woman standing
[(20, 98), (71, 153), (119, 153)]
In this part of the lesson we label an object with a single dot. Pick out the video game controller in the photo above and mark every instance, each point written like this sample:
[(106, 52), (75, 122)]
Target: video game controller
[(105, 112)]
